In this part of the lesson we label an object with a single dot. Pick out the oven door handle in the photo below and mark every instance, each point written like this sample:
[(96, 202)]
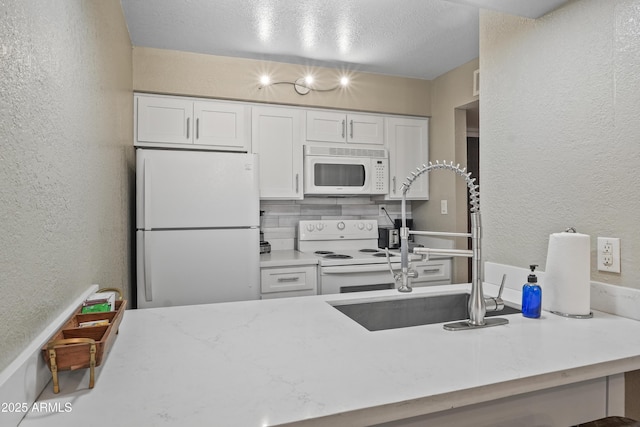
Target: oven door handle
[(355, 269)]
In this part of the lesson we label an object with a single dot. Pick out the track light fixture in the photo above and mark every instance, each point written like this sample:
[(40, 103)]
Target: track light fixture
[(303, 85)]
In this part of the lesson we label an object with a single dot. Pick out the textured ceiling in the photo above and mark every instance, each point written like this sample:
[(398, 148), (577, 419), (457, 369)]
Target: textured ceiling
[(409, 38)]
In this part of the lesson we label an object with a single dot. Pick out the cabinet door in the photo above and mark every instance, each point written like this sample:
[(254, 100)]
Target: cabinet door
[(164, 120), (220, 124), (363, 129), (408, 143), (326, 126), (277, 139)]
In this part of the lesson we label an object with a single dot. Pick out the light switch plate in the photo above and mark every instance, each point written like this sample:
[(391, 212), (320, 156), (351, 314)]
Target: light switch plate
[(609, 254)]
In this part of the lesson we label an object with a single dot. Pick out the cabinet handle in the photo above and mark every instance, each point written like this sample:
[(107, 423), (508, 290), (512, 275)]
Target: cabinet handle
[(351, 134), (197, 128), (430, 270), (288, 279), (148, 288), (394, 185), (344, 126), (297, 183), (188, 121)]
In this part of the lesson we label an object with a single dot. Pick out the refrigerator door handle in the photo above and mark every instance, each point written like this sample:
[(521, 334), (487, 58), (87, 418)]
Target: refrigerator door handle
[(148, 295), (146, 193)]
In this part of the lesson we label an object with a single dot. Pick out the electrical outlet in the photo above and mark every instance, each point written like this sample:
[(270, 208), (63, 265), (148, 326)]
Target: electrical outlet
[(609, 254), (381, 210)]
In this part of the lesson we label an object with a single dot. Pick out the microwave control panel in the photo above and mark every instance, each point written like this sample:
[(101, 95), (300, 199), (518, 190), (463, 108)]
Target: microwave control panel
[(380, 176)]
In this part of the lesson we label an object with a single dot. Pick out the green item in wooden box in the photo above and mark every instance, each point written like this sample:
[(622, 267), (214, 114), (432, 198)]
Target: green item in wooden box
[(96, 308)]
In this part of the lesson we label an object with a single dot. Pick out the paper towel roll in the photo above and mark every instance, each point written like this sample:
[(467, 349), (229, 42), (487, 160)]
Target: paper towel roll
[(567, 278)]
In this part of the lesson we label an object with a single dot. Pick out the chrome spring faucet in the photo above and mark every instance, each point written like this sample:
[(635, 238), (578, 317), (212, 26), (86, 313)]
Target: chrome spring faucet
[(478, 304)]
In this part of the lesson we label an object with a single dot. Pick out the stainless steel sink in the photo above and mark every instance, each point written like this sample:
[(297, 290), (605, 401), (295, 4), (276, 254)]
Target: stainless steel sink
[(405, 312)]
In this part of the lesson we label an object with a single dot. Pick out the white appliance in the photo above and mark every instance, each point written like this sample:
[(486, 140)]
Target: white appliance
[(345, 170), (197, 221), (348, 255)]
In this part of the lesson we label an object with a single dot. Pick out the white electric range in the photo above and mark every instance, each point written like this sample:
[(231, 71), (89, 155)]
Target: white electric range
[(349, 259)]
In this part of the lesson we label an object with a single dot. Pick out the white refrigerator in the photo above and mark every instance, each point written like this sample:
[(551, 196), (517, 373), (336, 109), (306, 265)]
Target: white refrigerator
[(197, 227)]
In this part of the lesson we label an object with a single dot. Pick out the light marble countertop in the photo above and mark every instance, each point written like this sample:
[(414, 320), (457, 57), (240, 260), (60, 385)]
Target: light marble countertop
[(259, 363), (285, 258)]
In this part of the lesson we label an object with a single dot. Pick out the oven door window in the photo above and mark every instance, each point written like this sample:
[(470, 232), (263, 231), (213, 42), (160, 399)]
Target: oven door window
[(338, 175)]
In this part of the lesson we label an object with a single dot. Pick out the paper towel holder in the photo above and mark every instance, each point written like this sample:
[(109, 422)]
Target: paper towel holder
[(573, 316)]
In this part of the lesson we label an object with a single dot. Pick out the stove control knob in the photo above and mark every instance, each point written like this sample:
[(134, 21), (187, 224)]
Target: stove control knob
[(310, 227), (369, 227), (360, 226), (319, 226), (341, 225)]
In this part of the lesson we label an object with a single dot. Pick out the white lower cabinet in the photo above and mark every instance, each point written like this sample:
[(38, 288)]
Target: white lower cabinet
[(432, 272), (283, 282)]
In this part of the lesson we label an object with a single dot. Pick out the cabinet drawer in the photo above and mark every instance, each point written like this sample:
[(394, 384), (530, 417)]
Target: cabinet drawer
[(288, 279), (433, 271)]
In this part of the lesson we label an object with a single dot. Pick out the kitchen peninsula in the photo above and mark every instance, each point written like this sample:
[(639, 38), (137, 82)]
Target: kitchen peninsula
[(299, 360)]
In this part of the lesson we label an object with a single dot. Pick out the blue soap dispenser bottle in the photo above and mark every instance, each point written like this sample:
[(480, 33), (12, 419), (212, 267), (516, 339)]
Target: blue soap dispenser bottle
[(531, 296)]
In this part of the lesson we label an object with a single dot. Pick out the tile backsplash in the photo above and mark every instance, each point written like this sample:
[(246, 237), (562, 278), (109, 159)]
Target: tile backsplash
[(281, 217)]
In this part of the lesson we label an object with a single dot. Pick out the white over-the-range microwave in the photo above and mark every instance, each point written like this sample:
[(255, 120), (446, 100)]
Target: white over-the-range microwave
[(345, 170)]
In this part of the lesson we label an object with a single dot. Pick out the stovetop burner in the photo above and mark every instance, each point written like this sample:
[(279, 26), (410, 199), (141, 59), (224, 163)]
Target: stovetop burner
[(323, 252), (368, 250), (338, 256)]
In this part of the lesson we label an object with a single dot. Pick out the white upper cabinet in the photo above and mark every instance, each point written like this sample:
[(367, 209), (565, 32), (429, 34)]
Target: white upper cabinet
[(163, 120), (277, 139), (222, 124), (327, 126), (166, 121), (277, 135), (408, 144)]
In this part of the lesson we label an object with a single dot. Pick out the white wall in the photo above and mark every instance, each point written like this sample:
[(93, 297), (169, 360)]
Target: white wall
[(559, 131), (65, 159)]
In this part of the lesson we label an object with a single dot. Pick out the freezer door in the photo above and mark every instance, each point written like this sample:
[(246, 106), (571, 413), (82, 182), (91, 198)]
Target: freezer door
[(196, 189), (185, 267)]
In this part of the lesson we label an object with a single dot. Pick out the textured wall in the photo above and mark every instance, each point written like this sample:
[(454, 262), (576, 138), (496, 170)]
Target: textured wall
[(66, 160), (185, 73), (559, 131), (448, 142)]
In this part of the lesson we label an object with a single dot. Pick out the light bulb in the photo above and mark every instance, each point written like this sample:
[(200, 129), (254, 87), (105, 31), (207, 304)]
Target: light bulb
[(344, 81), (308, 80), (265, 80)]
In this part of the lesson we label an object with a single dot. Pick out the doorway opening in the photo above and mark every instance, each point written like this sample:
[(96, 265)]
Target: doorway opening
[(468, 153)]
